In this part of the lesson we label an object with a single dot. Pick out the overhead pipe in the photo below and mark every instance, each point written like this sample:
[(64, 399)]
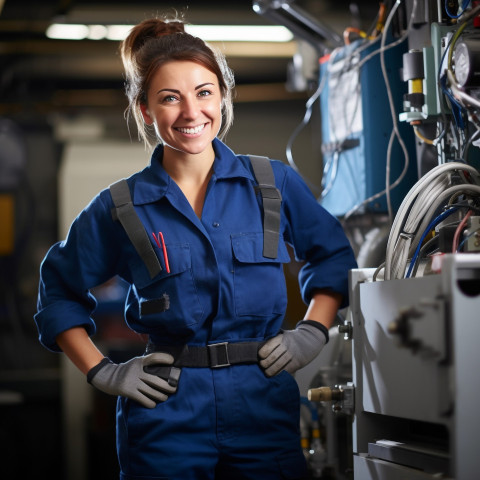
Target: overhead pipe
[(299, 22)]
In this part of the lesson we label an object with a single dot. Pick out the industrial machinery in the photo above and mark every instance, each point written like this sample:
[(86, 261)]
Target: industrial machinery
[(399, 108), (414, 373)]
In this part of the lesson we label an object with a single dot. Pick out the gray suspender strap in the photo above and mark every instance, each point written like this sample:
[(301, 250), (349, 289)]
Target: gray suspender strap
[(133, 226), (272, 201)]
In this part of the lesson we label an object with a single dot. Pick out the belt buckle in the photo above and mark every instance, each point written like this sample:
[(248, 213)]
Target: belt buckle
[(218, 354)]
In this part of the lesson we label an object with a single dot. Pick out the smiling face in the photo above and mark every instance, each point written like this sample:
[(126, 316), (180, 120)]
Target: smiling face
[(184, 104)]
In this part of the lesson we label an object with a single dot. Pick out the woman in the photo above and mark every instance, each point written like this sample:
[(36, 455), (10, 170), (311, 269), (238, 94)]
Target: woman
[(214, 395)]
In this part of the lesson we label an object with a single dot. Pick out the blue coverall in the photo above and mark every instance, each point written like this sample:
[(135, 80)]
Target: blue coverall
[(230, 422)]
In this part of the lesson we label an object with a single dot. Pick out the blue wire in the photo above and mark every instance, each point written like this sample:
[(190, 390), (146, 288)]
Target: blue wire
[(462, 243), (464, 6), (456, 107), (431, 225)]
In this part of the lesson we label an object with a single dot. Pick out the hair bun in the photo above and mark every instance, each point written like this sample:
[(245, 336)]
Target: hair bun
[(148, 30), (169, 28)]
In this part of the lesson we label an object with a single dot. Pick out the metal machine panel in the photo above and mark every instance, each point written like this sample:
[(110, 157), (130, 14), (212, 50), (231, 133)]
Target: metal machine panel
[(367, 468), (397, 381), (463, 284), (416, 358)]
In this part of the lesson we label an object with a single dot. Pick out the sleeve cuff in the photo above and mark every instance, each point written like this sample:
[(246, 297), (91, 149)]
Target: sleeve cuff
[(318, 325)]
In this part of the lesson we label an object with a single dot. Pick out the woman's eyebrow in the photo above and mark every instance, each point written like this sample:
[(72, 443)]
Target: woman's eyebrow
[(203, 84), (173, 90), (168, 90)]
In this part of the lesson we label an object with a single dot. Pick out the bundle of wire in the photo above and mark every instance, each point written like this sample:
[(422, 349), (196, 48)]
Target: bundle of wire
[(418, 213)]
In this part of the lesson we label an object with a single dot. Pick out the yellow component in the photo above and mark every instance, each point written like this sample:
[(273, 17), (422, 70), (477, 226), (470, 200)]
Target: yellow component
[(305, 443), (7, 216), (315, 433), (320, 394), (416, 85)]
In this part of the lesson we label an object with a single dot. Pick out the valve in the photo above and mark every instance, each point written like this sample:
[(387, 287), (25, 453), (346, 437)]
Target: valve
[(341, 396)]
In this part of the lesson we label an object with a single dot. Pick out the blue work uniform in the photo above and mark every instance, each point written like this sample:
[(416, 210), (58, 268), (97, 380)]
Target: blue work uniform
[(230, 422)]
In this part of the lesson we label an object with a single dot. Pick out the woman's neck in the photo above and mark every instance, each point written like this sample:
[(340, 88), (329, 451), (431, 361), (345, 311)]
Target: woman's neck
[(191, 173)]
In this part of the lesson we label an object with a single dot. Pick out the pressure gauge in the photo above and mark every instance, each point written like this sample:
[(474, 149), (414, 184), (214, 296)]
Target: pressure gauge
[(467, 62)]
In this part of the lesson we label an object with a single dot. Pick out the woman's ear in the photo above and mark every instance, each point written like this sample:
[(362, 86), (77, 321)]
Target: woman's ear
[(146, 115)]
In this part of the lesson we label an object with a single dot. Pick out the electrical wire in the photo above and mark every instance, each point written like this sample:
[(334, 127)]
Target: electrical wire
[(377, 271), (426, 246), (308, 113), (393, 111), (350, 117), (395, 132), (469, 15), (453, 41), (471, 140), (347, 60), (332, 164), (461, 205), (427, 183), (430, 227), (455, 106), (408, 233), (387, 25), (471, 101), (455, 16), (470, 235), (458, 231), (422, 137), (437, 202), (422, 209), (424, 186), (360, 33)]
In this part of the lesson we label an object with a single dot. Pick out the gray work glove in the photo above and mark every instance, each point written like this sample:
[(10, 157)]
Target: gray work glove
[(130, 380), (293, 349)]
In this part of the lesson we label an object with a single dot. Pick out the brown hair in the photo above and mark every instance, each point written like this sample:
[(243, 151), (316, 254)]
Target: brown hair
[(156, 41)]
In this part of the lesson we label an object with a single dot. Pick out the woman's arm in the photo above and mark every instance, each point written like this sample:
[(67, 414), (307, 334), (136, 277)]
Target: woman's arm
[(127, 379), (323, 307), (293, 349), (79, 348)]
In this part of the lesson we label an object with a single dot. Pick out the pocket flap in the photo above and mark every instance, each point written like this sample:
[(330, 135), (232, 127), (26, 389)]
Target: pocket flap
[(248, 248), (179, 259)]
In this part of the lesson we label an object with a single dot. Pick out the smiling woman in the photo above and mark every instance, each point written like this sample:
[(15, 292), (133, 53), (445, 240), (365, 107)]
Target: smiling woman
[(184, 104), (149, 46), (200, 235)]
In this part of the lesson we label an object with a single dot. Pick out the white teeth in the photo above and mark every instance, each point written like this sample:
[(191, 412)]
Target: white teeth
[(192, 130)]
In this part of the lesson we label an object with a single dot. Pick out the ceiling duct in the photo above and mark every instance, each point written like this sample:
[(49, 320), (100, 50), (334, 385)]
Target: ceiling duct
[(299, 22)]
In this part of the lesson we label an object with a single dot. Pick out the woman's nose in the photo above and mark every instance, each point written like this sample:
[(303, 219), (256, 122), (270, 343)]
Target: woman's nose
[(190, 108)]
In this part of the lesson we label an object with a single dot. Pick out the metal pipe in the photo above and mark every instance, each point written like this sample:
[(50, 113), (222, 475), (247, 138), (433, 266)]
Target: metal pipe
[(299, 22)]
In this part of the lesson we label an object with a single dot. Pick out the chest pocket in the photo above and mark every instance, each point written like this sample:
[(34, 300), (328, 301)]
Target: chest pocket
[(169, 302), (259, 282)]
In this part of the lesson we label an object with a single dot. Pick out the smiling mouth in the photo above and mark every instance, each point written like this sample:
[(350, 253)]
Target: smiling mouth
[(192, 130)]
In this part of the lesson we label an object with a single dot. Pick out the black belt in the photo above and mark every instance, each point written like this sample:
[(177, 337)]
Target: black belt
[(215, 355)]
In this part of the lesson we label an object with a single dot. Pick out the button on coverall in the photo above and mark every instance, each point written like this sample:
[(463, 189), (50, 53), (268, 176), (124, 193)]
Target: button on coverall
[(231, 422)]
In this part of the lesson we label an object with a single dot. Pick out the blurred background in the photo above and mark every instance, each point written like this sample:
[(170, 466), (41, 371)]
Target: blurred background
[(63, 137), (376, 104)]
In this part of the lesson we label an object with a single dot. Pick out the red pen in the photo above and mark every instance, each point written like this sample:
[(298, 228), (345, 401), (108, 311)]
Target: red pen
[(163, 247)]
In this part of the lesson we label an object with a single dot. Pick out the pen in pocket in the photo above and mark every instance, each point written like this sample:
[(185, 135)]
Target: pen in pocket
[(160, 241)]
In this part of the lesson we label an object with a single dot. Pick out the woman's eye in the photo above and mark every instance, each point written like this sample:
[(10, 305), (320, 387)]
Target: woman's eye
[(169, 99), (204, 93)]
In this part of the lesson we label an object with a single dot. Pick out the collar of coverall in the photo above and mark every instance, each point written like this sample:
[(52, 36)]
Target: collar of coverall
[(153, 182)]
